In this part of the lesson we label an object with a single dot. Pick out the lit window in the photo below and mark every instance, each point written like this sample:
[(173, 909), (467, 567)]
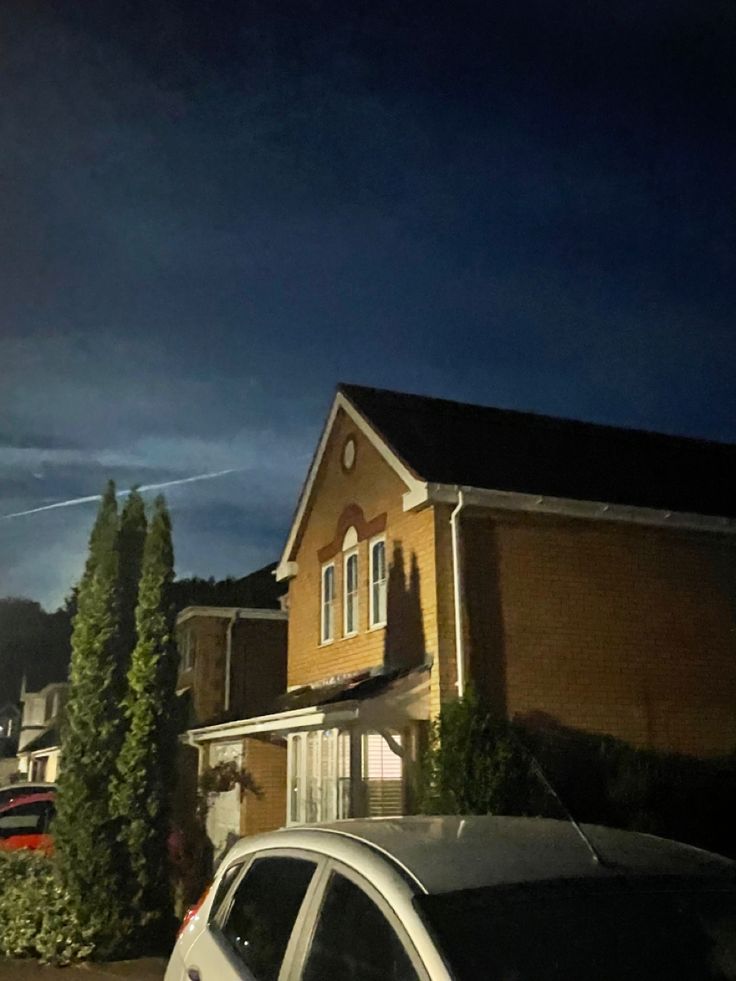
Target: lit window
[(319, 776), (378, 582), (328, 603), (382, 775), (351, 594)]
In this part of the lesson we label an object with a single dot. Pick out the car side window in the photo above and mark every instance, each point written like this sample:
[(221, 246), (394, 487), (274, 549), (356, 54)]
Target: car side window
[(353, 940), (226, 880), (263, 912)]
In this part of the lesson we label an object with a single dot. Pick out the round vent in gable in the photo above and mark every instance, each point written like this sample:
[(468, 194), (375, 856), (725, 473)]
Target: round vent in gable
[(348, 453)]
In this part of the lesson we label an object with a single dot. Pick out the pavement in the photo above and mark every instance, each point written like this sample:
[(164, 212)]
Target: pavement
[(143, 969)]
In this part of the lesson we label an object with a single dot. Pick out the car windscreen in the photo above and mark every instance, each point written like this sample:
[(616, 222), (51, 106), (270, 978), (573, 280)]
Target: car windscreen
[(615, 929)]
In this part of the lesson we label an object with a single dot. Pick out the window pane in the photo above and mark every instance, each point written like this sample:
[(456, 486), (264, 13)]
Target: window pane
[(328, 775), (351, 594), (354, 940), (343, 775), (24, 820), (352, 573), (265, 907), (378, 583), (223, 885), (382, 773), (312, 788), (297, 790), (328, 597)]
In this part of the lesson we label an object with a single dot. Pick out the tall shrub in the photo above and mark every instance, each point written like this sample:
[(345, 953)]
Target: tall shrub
[(475, 765), (141, 789), (132, 539), (84, 833)]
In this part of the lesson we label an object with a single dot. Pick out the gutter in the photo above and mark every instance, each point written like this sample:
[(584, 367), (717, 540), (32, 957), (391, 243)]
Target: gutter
[(479, 497), (457, 592)]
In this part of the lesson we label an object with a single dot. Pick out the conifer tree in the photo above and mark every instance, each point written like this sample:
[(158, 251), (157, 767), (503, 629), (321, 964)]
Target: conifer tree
[(83, 831), (141, 790), (132, 538)]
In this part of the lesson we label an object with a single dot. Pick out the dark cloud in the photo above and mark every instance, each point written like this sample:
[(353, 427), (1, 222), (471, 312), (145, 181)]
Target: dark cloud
[(210, 213)]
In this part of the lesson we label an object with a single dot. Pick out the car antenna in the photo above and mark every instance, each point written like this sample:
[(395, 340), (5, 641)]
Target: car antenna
[(537, 766)]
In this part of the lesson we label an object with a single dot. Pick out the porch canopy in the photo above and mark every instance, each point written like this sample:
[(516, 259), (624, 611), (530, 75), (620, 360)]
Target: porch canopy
[(378, 702)]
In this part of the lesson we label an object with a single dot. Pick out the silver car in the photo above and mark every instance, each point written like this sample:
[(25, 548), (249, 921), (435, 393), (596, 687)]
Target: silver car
[(514, 899)]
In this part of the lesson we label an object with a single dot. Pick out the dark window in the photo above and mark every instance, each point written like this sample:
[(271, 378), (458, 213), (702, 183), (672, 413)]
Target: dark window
[(632, 928), (262, 915), (26, 819), (354, 941), (228, 877)]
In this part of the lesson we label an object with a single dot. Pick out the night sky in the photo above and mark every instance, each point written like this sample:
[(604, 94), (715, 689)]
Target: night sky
[(211, 212)]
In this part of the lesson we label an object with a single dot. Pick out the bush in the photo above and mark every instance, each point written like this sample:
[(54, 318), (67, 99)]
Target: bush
[(476, 765), (36, 915), (479, 764)]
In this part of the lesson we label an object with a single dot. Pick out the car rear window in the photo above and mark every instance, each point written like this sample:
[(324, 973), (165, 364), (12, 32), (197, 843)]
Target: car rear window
[(602, 930), (26, 819)]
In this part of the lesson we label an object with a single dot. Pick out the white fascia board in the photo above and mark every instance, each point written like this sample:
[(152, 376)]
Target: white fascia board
[(566, 507), (416, 497), (313, 717), (35, 753), (230, 613), (286, 568)]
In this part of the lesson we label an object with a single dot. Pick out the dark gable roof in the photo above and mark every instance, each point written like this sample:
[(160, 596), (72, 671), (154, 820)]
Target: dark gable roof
[(499, 449)]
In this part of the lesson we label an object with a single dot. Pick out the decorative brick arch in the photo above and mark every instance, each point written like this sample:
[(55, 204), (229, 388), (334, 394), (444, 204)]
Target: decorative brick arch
[(352, 517)]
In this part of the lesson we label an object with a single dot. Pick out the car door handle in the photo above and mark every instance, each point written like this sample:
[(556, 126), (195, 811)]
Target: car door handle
[(193, 974)]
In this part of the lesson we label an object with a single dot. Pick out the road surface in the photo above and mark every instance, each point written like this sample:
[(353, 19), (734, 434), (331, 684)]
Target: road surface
[(145, 969)]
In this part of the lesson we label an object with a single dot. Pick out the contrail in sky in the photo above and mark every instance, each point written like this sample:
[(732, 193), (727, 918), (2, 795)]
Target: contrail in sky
[(98, 497)]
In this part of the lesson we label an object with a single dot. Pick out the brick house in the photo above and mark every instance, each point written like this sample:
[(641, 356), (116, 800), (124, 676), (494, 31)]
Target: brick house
[(9, 726), (39, 737), (577, 573), (232, 665)]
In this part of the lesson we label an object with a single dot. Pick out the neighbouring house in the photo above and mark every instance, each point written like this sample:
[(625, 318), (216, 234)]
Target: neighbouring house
[(39, 737), (9, 727), (577, 574), (232, 664)]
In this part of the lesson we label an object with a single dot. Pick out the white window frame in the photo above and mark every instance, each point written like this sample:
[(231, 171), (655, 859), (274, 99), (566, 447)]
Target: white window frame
[(324, 637), (355, 595), (375, 624)]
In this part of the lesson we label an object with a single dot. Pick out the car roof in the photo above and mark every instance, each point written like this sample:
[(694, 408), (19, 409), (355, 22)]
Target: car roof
[(33, 797), (444, 854), (26, 787)]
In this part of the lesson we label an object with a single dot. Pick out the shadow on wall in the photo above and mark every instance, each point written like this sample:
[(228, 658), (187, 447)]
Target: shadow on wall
[(485, 635), (404, 645)]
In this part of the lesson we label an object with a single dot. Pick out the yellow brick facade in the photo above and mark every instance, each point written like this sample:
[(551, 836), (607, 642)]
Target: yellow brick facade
[(605, 627), (373, 487), (265, 761)]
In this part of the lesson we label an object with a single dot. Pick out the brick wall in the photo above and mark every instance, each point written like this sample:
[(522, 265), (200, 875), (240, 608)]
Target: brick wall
[(258, 667), (372, 486), (207, 677), (605, 627), (266, 762)]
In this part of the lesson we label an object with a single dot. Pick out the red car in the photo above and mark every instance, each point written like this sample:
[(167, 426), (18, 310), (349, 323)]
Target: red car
[(24, 822)]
